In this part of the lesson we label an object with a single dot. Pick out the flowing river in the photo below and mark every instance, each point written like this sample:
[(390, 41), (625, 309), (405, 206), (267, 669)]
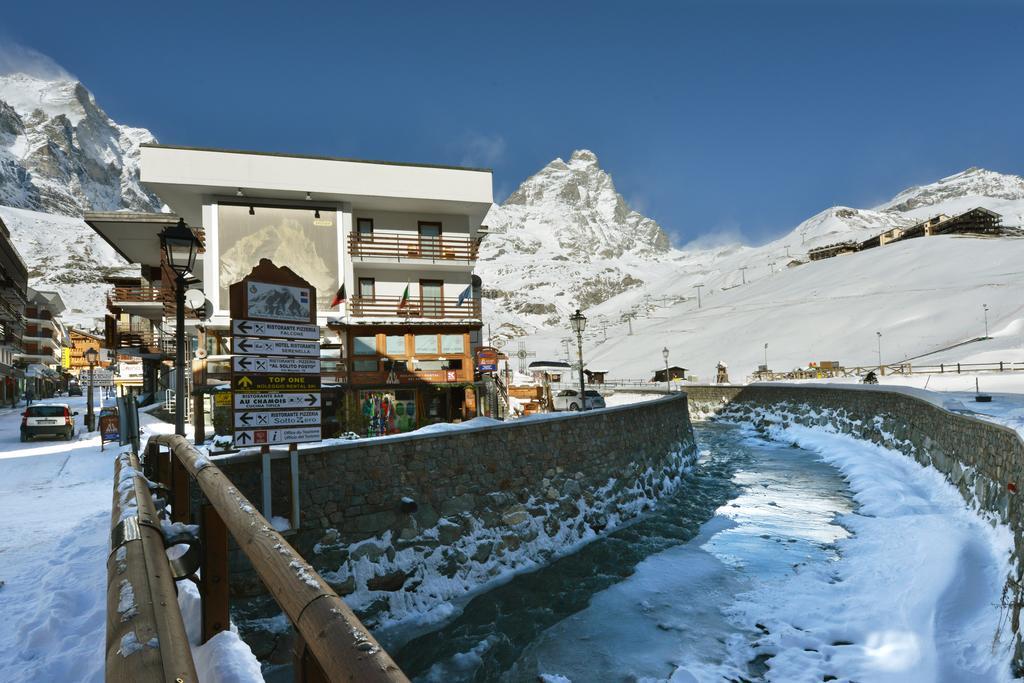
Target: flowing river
[(649, 600)]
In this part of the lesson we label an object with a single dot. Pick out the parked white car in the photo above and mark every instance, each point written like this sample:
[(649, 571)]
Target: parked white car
[(569, 399)]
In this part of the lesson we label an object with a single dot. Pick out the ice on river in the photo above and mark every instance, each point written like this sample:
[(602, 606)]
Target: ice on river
[(787, 575)]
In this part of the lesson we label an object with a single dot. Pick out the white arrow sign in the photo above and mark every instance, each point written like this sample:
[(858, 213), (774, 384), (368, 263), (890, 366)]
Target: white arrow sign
[(263, 437), (255, 419), (269, 401), (256, 328), (275, 347), (284, 366)]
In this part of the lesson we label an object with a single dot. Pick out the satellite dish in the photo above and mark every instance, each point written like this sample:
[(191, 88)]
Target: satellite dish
[(197, 301)]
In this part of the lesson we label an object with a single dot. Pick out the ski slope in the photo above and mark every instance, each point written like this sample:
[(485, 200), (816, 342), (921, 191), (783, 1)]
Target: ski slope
[(921, 294)]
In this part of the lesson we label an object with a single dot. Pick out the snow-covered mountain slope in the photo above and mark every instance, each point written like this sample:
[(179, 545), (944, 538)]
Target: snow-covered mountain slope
[(61, 153), (918, 293), (63, 254), (535, 279)]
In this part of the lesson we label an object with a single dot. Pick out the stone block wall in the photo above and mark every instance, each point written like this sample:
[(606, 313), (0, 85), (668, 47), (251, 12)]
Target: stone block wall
[(984, 460), (404, 523)]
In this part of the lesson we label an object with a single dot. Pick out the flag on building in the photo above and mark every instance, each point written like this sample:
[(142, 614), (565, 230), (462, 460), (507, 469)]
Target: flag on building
[(466, 294), (404, 301), (339, 297)]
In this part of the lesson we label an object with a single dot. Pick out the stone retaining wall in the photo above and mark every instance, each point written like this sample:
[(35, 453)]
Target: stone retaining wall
[(403, 524), (984, 460)]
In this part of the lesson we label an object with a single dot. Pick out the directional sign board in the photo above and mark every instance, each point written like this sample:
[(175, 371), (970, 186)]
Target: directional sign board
[(265, 437), (275, 347), (276, 365), (275, 401), (259, 328), (257, 419), (303, 383)]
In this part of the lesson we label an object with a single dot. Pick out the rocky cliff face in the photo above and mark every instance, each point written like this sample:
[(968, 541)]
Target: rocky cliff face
[(60, 153), (565, 239)]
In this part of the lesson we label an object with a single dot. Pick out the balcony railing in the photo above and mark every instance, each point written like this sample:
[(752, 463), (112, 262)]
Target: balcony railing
[(144, 340), (141, 295), (392, 307), (396, 247)]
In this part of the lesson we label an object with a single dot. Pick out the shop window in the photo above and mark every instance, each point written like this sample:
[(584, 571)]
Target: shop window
[(394, 345), (387, 412), (364, 365), (364, 346), (426, 343), (453, 343)]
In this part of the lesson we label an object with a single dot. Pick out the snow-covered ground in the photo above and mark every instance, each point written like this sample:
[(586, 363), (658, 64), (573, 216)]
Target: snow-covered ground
[(55, 502)]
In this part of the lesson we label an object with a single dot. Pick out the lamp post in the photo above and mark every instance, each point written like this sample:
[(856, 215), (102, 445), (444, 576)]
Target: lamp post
[(179, 246), (579, 323), (668, 384), (697, 287), (91, 356), (879, 334), (984, 307), (766, 355)]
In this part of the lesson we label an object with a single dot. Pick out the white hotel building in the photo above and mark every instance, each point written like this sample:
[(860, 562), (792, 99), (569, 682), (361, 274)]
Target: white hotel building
[(379, 228)]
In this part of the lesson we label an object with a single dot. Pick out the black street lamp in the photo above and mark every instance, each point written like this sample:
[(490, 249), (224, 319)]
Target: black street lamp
[(668, 385), (91, 356), (579, 323), (179, 245)]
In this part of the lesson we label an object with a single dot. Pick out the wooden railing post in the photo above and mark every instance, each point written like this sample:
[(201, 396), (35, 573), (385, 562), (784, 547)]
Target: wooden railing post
[(213, 586), (181, 484)]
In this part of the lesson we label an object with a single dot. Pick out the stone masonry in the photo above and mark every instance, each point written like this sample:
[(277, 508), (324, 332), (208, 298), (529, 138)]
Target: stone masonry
[(984, 460), (402, 523)]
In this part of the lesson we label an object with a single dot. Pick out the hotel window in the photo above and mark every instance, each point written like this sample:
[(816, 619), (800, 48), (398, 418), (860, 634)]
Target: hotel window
[(364, 227), (366, 287), (453, 343), (426, 343), (364, 346), (394, 345), (432, 297), (430, 239)]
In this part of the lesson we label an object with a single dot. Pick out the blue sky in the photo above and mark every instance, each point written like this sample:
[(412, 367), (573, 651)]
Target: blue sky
[(736, 118)]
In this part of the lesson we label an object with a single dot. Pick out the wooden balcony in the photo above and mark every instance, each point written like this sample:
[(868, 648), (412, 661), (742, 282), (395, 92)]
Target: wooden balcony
[(389, 307), (397, 247), (146, 341)]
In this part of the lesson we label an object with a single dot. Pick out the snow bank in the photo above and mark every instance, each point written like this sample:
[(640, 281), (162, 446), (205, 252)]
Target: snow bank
[(916, 594)]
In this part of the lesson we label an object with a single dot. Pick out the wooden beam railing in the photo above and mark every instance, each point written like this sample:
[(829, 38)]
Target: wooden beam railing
[(412, 247), (333, 645), (392, 307)]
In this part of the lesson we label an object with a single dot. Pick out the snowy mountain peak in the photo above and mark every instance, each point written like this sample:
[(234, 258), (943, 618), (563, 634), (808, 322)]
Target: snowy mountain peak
[(973, 182), (61, 153), (574, 208)]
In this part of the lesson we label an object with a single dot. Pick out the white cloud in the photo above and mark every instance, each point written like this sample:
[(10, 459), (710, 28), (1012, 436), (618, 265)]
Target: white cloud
[(16, 58), (482, 150)]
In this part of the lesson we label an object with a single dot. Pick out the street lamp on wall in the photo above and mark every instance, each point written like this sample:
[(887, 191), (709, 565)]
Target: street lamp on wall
[(668, 384), (91, 356), (179, 245), (579, 323)]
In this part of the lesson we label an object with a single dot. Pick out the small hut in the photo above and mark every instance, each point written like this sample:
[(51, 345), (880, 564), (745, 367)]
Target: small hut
[(674, 372)]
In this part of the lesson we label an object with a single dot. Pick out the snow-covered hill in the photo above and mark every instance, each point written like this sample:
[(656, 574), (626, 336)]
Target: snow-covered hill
[(63, 254), (537, 276), (61, 153)]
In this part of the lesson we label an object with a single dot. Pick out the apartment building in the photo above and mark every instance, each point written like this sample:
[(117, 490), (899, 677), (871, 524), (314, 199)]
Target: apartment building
[(42, 342), (399, 239), (13, 299)]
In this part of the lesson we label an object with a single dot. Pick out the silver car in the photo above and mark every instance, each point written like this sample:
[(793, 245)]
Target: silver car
[(569, 399)]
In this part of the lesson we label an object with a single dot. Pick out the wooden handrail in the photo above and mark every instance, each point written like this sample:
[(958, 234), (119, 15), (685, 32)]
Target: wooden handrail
[(413, 247), (388, 306), (146, 638), (339, 643)]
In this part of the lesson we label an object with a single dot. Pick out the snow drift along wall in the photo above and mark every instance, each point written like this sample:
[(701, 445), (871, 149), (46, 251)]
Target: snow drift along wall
[(983, 460), (404, 524)]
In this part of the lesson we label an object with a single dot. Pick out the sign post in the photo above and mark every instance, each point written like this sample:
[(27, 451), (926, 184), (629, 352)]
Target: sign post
[(275, 370)]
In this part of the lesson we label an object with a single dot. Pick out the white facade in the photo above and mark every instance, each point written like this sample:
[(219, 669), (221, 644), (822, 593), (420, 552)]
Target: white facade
[(305, 212)]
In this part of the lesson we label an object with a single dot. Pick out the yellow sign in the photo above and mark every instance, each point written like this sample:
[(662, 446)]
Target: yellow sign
[(65, 358), (222, 399)]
